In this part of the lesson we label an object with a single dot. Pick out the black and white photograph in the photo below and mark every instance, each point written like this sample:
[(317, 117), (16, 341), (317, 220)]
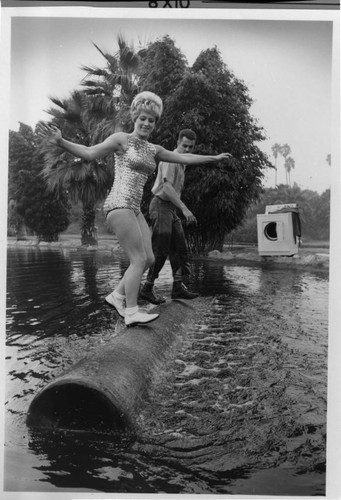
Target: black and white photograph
[(170, 252)]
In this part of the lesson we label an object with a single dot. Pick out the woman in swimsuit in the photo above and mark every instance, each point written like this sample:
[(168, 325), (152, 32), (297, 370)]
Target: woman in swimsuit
[(135, 160)]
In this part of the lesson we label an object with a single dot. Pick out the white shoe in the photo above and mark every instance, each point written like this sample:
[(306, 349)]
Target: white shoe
[(117, 303), (139, 318)]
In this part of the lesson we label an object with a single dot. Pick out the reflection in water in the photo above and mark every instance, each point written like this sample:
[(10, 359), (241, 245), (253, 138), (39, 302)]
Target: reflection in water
[(80, 461), (52, 295), (32, 301), (253, 364), (95, 463)]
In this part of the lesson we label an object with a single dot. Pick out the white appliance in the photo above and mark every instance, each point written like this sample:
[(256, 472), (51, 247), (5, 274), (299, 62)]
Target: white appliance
[(276, 231)]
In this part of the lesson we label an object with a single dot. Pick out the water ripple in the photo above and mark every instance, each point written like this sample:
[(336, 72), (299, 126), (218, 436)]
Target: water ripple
[(244, 388)]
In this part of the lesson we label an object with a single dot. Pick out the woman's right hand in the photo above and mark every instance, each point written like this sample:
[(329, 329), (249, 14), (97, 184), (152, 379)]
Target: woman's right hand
[(50, 133)]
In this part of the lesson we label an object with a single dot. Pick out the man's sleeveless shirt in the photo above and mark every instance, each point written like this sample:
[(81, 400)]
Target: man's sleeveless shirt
[(132, 170)]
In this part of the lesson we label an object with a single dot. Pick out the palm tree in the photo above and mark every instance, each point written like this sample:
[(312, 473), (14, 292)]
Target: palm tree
[(276, 148), (89, 117), (285, 150), (114, 87), (87, 182), (289, 164)]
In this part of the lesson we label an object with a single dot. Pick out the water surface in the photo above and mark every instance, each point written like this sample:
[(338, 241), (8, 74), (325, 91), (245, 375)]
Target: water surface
[(240, 407)]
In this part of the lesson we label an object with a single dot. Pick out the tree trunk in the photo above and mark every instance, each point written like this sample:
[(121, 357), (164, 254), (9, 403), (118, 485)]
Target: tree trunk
[(88, 227), (21, 231), (200, 243)]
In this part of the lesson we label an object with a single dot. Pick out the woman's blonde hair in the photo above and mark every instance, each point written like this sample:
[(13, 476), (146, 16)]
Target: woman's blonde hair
[(146, 101)]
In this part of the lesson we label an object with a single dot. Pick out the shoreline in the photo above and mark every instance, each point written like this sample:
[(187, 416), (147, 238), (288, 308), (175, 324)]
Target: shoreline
[(315, 255)]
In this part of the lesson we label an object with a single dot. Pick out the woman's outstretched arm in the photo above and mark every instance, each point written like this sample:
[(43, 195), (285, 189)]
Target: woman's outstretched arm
[(113, 143), (163, 154)]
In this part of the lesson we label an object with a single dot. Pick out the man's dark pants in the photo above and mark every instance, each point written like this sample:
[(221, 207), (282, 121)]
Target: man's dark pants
[(168, 239)]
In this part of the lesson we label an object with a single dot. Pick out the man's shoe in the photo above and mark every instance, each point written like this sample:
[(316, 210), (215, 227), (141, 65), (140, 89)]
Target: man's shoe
[(139, 318), (117, 303), (147, 293), (180, 291)]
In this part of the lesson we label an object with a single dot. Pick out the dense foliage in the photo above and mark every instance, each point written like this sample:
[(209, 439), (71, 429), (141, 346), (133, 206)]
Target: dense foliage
[(30, 202), (209, 99)]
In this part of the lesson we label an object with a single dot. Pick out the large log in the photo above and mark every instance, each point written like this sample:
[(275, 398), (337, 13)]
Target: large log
[(104, 391)]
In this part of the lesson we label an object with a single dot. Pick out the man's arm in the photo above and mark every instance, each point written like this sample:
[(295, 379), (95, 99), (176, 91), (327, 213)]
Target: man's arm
[(172, 196)]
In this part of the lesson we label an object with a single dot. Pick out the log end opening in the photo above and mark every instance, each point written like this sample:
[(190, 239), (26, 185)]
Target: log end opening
[(77, 407)]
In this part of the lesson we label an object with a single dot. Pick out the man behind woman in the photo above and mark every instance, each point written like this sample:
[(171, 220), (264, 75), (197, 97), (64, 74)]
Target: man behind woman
[(135, 160), (168, 237)]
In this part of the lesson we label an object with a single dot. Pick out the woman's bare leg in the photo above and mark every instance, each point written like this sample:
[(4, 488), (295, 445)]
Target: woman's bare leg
[(147, 240), (132, 238), (146, 237)]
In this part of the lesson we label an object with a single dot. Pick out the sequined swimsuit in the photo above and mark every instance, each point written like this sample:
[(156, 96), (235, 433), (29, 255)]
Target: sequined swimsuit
[(132, 169)]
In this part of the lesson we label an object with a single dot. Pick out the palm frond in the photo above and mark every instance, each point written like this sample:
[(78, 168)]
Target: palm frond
[(121, 41), (129, 59), (103, 130), (55, 113), (91, 83), (98, 109), (77, 96), (93, 70), (99, 49), (88, 117), (95, 91), (109, 58), (58, 102)]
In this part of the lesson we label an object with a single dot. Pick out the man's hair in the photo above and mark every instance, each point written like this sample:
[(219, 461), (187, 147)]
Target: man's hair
[(187, 132)]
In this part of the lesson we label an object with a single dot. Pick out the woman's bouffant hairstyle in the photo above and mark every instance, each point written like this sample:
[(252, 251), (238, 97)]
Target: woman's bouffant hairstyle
[(146, 101)]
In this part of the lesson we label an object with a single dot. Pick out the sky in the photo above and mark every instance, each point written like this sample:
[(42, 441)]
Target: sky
[(286, 65)]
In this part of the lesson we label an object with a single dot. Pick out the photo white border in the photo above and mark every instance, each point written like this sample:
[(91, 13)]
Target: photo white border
[(334, 373)]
